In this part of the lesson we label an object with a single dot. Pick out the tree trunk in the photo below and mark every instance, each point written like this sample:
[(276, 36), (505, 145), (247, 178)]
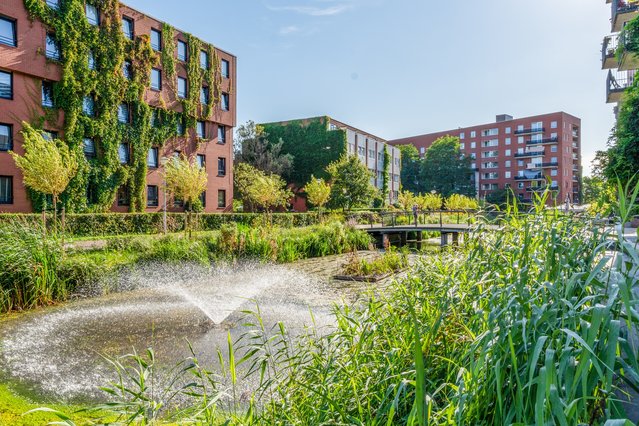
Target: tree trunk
[(44, 217), (55, 214), (63, 225)]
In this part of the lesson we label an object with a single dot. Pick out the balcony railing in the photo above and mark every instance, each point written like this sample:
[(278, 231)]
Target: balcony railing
[(550, 164), (538, 176), (529, 154), (617, 82), (622, 12), (530, 130), (542, 141), (608, 52), (627, 46), (542, 188)]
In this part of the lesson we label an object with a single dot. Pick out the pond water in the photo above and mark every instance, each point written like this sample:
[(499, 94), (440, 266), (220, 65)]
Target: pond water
[(58, 353)]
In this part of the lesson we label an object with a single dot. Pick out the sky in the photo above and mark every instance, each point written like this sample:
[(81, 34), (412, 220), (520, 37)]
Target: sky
[(398, 68)]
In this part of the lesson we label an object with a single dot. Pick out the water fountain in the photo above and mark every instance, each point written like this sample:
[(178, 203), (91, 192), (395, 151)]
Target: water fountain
[(58, 352)]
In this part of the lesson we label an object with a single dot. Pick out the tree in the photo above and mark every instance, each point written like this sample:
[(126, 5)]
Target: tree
[(461, 202), (258, 189), (430, 201), (411, 169), (350, 183), (254, 148), (186, 181), (406, 200), (445, 170), (318, 192), (47, 166)]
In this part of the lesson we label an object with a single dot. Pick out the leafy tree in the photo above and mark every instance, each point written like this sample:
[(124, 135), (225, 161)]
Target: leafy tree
[(411, 169), (254, 148), (430, 201), (461, 202), (445, 170), (47, 166), (350, 183), (501, 197), (186, 181), (318, 192), (406, 200), (258, 189)]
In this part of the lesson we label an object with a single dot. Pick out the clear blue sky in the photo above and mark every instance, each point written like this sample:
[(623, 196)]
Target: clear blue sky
[(399, 68)]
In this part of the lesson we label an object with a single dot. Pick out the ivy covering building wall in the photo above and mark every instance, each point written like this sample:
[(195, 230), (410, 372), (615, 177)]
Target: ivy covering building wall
[(312, 145), (96, 185)]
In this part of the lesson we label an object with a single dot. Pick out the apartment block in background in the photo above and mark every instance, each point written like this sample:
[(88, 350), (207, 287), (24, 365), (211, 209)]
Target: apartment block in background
[(526, 154), (30, 65)]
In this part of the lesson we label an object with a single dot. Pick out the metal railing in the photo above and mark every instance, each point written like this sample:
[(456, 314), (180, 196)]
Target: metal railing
[(623, 6), (534, 177), (609, 48), (529, 154), (542, 141), (530, 130)]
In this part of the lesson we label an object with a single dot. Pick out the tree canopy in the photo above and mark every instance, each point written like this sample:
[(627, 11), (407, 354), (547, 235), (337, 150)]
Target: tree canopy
[(318, 192), (411, 169), (259, 190), (350, 183), (254, 148), (445, 170)]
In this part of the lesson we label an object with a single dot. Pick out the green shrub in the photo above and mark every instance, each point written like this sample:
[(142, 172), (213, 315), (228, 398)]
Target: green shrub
[(176, 249)]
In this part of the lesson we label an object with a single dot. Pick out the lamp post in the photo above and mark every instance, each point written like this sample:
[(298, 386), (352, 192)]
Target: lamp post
[(163, 161)]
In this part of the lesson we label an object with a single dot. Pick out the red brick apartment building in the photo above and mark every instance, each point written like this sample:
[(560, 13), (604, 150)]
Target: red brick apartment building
[(31, 65), (525, 154)]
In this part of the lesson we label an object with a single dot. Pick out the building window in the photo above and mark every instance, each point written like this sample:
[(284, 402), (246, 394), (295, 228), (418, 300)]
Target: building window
[(473, 134), (8, 32), (462, 145), (152, 199), (201, 129), (52, 50), (204, 60), (520, 139), (553, 172), (127, 68), (520, 163), (123, 113), (181, 50), (155, 119), (507, 163), (507, 141), (221, 134), (88, 146), (204, 95), (203, 199), (53, 4), (156, 79), (91, 61), (508, 130), (473, 145), (226, 68), (490, 132), (507, 175), (462, 135), (123, 196), (221, 199), (225, 102), (152, 158), (553, 125), (88, 106), (422, 150), (49, 135), (520, 185), (221, 166), (201, 161), (47, 94), (6, 137), (508, 153), (6, 85), (181, 87), (156, 40), (6, 190), (371, 153), (180, 127), (128, 28), (93, 16), (123, 153)]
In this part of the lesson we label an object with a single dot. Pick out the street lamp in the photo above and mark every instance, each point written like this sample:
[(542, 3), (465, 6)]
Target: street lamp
[(163, 161)]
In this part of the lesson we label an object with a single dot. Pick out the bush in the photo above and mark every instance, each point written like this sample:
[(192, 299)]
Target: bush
[(176, 249)]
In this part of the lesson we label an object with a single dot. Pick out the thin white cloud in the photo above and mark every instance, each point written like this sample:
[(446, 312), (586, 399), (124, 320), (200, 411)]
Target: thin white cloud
[(313, 10), (291, 29)]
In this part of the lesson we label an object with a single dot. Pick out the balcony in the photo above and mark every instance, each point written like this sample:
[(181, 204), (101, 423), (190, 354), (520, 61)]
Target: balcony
[(617, 83), (550, 165), (529, 154), (542, 188), (531, 130), (542, 141), (623, 11), (608, 52), (537, 176), (628, 59)]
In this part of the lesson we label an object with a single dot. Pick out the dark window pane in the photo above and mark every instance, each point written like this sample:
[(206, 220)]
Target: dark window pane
[(221, 166), (152, 158), (6, 85), (221, 134), (6, 137), (6, 190), (201, 131), (123, 113), (52, 50), (88, 106), (92, 65), (201, 160), (181, 89), (93, 16), (53, 4), (226, 68), (123, 196), (225, 102), (8, 32), (47, 94), (203, 198), (127, 28), (89, 148), (204, 95), (123, 153), (221, 198), (152, 196), (127, 68), (49, 135), (204, 60), (180, 127), (156, 40), (181, 50)]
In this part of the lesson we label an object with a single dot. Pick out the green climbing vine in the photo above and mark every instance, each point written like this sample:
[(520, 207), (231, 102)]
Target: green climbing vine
[(386, 176), (96, 185)]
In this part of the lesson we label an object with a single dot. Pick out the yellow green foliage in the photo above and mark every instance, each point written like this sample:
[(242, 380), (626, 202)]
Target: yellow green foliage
[(185, 179), (318, 192), (430, 201), (461, 202)]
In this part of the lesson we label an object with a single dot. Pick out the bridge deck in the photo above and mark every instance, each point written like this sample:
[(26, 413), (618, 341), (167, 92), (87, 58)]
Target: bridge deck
[(430, 227)]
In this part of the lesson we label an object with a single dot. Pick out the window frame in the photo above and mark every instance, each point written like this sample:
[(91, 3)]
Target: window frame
[(126, 200), (225, 102), (92, 114), (127, 65), (128, 113), (221, 130), (159, 88), (10, 74), (224, 63), (159, 45), (14, 27), (9, 137), (128, 153), (201, 160), (130, 35), (58, 56), (48, 84), (197, 129), (221, 167), (156, 163), (186, 87), (9, 199), (205, 95), (221, 192), (184, 58), (95, 23), (89, 155), (205, 54), (156, 199)]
